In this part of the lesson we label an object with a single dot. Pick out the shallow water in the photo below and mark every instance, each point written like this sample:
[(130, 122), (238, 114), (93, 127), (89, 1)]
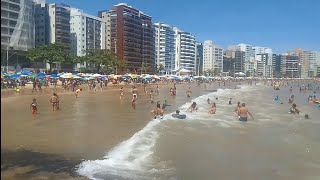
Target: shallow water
[(276, 145)]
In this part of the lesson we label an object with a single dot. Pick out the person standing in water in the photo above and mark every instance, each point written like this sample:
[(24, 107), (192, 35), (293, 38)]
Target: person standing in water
[(151, 96), (243, 113), (54, 101), (189, 92), (77, 92), (133, 101), (34, 108), (157, 112), (121, 93), (291, 99), (237, 107), (230, 103), (213, 108), (294, 109)]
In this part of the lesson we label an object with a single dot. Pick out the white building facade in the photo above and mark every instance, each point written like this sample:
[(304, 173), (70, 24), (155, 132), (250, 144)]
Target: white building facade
[(185, 55), (263, 61), (249, 57), (17, 24), (212, 57), (87, 32), (165, 43)]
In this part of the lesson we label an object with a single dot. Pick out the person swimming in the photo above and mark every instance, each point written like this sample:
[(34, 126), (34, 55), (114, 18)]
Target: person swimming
[(178, 115), (277, 98), (294, 109), (193, 107)]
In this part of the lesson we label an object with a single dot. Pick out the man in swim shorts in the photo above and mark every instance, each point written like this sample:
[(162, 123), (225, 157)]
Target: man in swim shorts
[(243, 113)]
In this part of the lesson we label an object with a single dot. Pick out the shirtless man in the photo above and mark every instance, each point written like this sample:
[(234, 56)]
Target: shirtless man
[(157, 112), (243, 113)]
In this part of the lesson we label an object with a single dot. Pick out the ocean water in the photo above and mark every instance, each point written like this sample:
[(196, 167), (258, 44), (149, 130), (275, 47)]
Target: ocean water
[(275, 145)]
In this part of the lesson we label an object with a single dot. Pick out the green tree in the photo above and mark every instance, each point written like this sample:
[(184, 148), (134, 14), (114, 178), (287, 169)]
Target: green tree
[(160, 68), (52, 53), (100, 58), (144, 67), (209, 72)]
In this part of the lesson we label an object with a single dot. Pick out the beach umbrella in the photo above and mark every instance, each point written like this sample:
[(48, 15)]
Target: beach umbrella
[(96, 75), (134, 75), (54, 76), (15, 76)]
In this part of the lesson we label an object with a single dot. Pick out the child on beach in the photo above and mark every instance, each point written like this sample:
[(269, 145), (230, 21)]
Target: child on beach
[(77, 92), (33, 107)]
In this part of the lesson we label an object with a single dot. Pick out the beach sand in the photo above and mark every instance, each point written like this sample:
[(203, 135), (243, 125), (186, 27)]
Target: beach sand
[(84, 128)]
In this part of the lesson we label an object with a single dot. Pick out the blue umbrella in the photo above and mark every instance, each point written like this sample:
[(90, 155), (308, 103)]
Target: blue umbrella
[(15, 76), (147, 78), (54, 76)]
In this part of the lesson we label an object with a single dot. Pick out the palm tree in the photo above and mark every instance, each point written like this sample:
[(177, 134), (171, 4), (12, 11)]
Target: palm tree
[(144, 67)]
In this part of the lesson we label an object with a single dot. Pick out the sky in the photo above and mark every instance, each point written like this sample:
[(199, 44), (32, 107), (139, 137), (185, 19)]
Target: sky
[(279, 24)]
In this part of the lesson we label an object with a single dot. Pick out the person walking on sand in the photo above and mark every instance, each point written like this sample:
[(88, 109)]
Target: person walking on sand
[(243, 112), (33, 107), (134, 101), (77, 92)]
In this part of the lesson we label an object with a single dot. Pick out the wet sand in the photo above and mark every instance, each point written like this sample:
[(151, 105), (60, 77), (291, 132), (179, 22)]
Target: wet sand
[(85, 128)]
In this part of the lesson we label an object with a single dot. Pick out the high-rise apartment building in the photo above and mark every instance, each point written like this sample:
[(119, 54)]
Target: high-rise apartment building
[(52, 22), (185, 55), (17, 24), (165, 46), (249, 57), (276, 65), (263, 61), (199, 58), (87, 32), (291, 66), (106, 18), (131, 36), (212, 57)]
